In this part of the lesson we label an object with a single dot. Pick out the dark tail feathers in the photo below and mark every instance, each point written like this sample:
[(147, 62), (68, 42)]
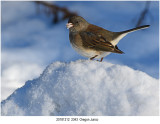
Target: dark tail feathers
[(134, 29)]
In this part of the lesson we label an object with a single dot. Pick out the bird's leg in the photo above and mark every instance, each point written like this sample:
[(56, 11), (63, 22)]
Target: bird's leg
[(93, 57), (101, 59)]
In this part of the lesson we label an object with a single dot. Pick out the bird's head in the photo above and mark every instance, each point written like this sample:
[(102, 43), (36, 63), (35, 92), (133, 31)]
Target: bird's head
[(77, 23)]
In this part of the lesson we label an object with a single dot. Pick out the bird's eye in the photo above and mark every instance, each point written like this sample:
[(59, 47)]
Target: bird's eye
[(76, 22)]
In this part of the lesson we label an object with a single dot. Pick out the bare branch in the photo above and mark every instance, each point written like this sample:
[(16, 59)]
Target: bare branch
[(143, 14), (54, 10)]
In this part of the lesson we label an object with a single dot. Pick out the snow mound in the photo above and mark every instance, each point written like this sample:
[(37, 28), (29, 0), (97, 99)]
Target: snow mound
[(84, 88)]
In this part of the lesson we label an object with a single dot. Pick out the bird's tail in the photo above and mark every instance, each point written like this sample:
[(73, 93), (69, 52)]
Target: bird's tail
[(135, 29), (119, 35)]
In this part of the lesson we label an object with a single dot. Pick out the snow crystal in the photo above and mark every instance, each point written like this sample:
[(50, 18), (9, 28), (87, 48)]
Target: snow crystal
[(84, 88)]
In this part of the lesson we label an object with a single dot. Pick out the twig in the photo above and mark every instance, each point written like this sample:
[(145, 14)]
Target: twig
[(54, 10), (143, 14)]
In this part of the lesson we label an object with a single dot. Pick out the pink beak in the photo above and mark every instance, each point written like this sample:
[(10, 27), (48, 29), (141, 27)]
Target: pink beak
[(69, 25)]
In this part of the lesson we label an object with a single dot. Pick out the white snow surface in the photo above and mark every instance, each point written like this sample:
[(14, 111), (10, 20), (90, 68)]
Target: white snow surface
[(85, 87)]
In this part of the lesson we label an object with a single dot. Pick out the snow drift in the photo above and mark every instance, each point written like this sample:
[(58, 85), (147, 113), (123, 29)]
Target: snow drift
[(84, 88)]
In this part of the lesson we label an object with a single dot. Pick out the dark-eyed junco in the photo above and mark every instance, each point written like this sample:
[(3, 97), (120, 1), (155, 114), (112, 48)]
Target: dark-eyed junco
[(92, 41)]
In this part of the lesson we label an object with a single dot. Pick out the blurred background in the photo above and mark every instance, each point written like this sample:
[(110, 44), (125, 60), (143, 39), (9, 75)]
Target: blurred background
[(34, 35)]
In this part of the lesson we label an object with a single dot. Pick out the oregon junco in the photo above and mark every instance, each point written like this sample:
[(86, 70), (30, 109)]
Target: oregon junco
[(92, 41)]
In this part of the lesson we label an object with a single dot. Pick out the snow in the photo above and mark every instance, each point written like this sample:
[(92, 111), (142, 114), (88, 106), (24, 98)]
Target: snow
[(85, 87), (11, 74)]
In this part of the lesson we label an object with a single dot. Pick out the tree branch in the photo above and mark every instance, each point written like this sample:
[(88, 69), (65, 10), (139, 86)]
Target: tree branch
[(54, 10), (143, 14)]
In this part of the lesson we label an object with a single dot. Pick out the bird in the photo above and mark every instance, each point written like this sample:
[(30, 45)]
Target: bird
[(92, 41)]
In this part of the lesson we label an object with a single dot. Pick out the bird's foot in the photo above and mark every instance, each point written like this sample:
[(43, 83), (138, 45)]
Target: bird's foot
[(93, 57), (97, 60), (100, 60)]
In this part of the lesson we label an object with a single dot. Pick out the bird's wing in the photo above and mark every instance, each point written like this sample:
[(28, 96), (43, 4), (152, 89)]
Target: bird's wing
[(98, 42)]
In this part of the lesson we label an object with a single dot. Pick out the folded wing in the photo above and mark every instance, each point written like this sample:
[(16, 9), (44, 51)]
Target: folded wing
[(98, 42)]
